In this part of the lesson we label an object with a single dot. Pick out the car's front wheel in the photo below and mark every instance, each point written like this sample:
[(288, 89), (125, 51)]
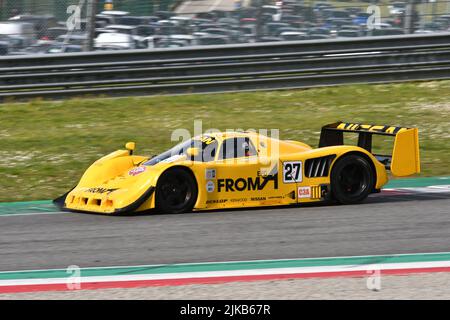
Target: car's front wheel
[(352, 179), (176, 191)]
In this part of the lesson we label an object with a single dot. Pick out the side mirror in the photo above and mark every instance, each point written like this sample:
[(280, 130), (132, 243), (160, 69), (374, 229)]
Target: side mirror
[(192, 152), (130, 146)]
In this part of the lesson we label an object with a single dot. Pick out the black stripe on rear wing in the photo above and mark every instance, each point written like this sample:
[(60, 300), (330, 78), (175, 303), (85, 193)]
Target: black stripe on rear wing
[(329, 136), (357, 127)]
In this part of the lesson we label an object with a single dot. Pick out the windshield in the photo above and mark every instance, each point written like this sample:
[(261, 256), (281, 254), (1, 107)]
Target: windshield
[(207, 146)]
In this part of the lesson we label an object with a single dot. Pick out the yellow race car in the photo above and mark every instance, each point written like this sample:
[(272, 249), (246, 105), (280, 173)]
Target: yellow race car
[(244, 169)]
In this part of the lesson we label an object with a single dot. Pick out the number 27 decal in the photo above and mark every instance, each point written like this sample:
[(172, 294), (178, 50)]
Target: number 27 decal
[(292, 171)]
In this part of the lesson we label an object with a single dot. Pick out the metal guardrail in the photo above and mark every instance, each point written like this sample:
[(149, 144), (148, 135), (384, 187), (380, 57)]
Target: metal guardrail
[(258, 66)]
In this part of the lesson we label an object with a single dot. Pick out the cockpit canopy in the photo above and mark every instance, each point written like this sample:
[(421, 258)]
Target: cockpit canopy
[(209, 149)]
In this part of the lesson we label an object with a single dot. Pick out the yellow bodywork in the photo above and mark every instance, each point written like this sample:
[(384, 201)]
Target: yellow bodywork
[(121, 183), (405, 156)]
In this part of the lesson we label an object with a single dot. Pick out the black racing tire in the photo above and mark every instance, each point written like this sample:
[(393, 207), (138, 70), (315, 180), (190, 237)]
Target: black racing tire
[(352, 179), (176, 191)]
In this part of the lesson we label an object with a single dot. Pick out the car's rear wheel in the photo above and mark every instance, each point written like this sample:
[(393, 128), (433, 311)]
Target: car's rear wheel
[(176, 191), (352, 179)]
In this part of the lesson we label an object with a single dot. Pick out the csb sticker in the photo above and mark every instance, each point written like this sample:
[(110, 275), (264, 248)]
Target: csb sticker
[(304, 192)]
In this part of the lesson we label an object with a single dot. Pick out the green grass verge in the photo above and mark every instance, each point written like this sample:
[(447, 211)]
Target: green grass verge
[(46, 146)]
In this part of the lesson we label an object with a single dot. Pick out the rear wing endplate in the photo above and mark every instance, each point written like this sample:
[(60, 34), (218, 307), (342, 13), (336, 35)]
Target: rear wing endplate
[(404, 160)]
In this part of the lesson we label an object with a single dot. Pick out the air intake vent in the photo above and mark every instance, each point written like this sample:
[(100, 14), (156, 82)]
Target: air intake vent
[(318, 167)]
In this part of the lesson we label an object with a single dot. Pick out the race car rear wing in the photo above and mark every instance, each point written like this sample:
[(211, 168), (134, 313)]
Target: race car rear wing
[(403, 161)]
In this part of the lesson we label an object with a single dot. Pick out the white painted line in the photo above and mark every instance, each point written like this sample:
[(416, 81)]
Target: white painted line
[(231, 273), (444, 186), (30, 214)]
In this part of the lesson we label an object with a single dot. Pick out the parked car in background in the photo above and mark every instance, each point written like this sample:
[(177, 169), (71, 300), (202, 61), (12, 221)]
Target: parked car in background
[(41, 23), (269, 39), (271, 28), (4, 45), (164, 15), (320, 6), (181, 21), (54, 33), (63, 48), (228, 21), (386, 32), (109, 17), (432, 27), (361, 18), (186, 39), (253, 21), (286, 29), (347, 33), (135, 20), (318, 37), (397, 8), (444, 21), (146, 30), (274, 11), (22, 32), (171, 43), (213, 40), (319, 30), (133, 31), (98, 31), (120, 41), (115, 13), (40, 47), (293, 36), (102, 20), (232, 35), (248, 33), (78, 39), (336, 14)]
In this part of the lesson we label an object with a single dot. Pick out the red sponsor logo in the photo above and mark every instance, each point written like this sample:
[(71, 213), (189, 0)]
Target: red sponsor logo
[(304, 192)]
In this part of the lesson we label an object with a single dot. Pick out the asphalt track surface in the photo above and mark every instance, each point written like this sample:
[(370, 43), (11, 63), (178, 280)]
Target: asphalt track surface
[(416, 223)]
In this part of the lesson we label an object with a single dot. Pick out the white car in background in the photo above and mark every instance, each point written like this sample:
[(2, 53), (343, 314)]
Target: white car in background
[(130, 30), (22, 32), (275, 11), (185, 38), (181, 21), (110, 40), (110, 17), (293, 36), (115, 13), (397, 8)]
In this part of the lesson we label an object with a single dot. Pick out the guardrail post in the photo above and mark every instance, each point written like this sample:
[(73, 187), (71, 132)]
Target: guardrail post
[(90, 28)]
